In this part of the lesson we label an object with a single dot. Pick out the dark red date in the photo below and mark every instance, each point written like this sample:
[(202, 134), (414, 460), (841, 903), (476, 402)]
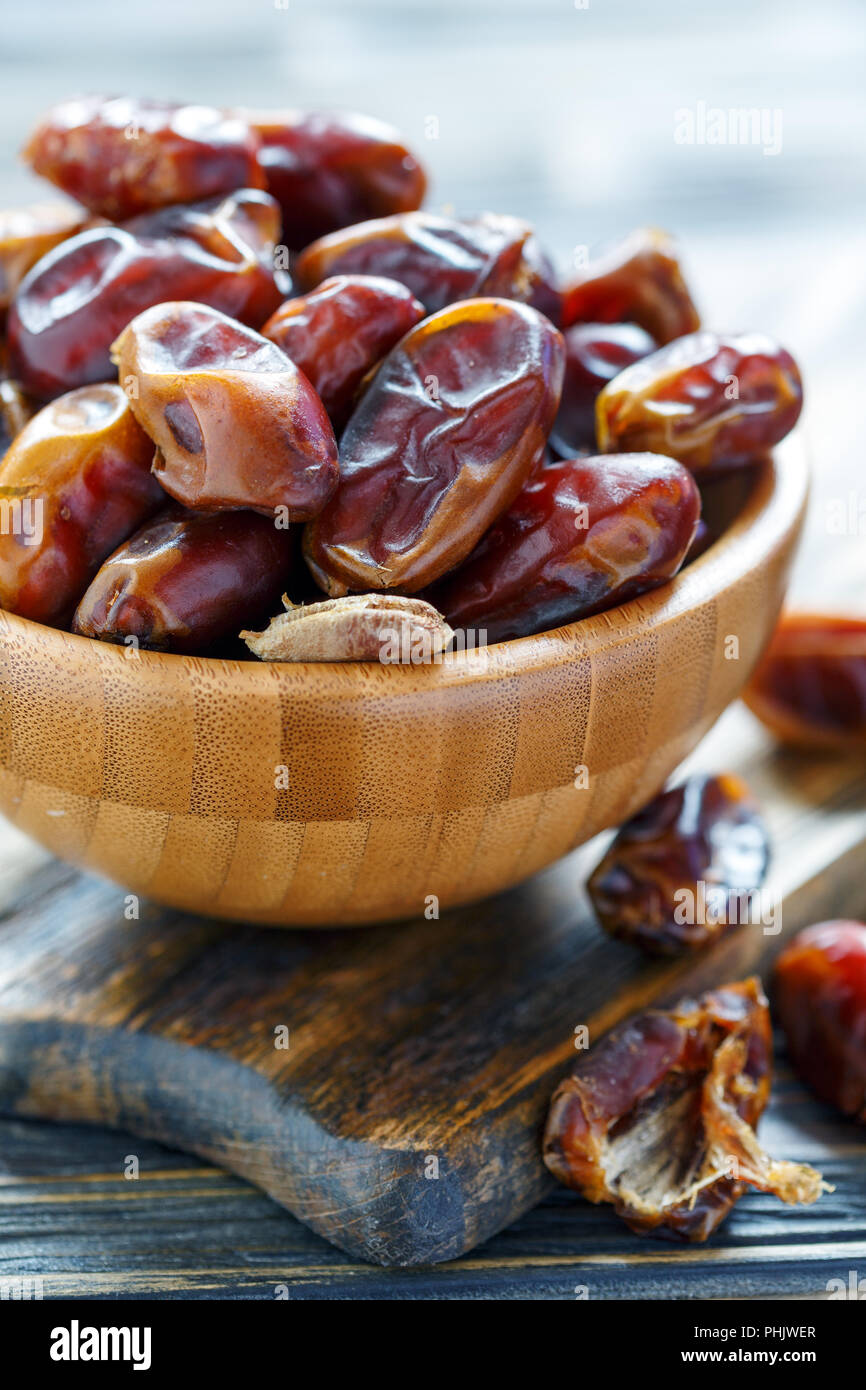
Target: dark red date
[(26, 234), (810, 687), (659, 1117), (594, 354), (186, 581), (79, 475), (440, 259), (712, 402), (453, 422), (820, 996), (337, 333), (582, 536), (234, 421), (119, 156), (685, 868), (640, 282), (76, 300), (329, 171)]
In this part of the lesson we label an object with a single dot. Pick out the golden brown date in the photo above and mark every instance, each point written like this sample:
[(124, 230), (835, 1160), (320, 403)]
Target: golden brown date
[(581, 536), (685, 868), (119, 156), (234, 421), (712, 402), (640, 282), (15, 411), (810, 686), (75, 301), (659, 1117), (26, 234), (819, 990), (186, 580), (449, 429), (329, 170), (77, 479), (338, 332), (440, 259)]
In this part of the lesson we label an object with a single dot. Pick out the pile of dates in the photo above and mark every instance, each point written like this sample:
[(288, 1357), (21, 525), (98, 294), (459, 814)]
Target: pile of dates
[(245, 366)]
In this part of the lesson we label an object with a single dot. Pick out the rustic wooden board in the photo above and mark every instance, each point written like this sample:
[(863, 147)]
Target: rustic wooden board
[(402, 1122)]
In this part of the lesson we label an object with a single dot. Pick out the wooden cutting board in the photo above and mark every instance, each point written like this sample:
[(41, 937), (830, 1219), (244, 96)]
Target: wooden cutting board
[(387, 1086)]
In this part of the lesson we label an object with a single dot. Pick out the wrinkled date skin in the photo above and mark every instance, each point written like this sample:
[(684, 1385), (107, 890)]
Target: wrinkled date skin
[(712, 402), (640, 282), (708, 832), (652, 1116), (329, 171), (186, 580), (338, 332), (446, 434), (76, 300), (120, 156), (26, 234), (594, 354), (810, 687), (440, 259), (85, 463), (582, 536), (819, 991), (234, 421)]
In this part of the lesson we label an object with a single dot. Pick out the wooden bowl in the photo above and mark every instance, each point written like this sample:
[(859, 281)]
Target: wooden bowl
[(341, 794)]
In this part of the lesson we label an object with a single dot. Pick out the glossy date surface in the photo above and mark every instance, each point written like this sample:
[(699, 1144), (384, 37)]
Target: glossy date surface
[(26, 234), (442, 440), (338, 332), (658, 1118), (440, 259), (76, 299), (329, 170), (186, 580), (119, 156), (638, 281), (671, 879), (594, 354), (714, 402), (810, 686), (234, 421), (581, 536), (81, 468), (819, 992)]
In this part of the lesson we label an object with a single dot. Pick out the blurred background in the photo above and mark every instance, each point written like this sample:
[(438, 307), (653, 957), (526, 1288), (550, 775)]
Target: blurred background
[(587, 117)]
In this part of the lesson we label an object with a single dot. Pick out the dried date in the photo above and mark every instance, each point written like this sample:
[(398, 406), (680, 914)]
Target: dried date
[(186, 580), (120, 156), (819, 990), (581, 536), (659, 1117), (810, 686), (712, 402), (78, 479), (234, 421), (440, 259), (685, 868), (359, 627), (328, 170), (338, 332), (453, 422), (26, 234), (639, 281), (80, 296), (594, 354)]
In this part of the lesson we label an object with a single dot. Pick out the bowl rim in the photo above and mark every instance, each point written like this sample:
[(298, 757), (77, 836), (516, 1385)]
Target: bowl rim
[(775, 504)]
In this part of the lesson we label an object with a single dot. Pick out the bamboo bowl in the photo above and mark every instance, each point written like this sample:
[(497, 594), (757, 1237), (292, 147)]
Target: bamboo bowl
[(347, 794)]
